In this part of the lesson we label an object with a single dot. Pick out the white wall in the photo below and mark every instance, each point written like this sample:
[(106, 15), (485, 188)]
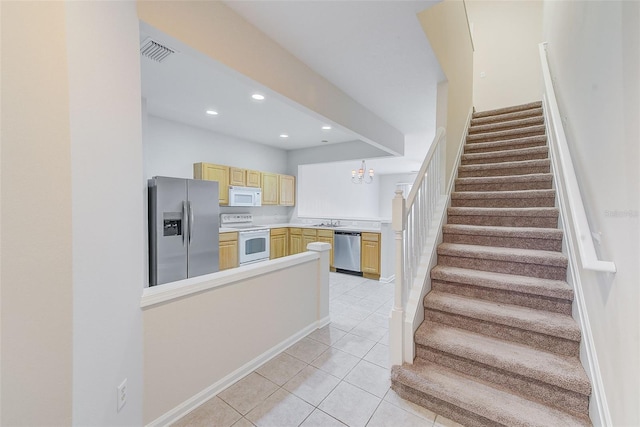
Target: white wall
[(594, 54), (171, 149), (326, 190), (197, 344), (388, 185), (505, 39), (36, 269), (108, 220)]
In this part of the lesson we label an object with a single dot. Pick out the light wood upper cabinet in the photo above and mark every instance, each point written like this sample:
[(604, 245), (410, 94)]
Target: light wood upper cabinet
[(211, 172), (370, 255), (279, 243), (228, 250), (286, 190), (269, 188), (295, 241), (237, 176), (253, 178)]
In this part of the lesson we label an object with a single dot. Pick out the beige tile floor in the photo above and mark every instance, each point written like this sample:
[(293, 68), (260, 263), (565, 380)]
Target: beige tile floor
[(335, 376)]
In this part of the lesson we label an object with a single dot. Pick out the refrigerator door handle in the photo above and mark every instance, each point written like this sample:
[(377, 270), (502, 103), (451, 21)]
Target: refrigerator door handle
[(192, 221), (184, 221)]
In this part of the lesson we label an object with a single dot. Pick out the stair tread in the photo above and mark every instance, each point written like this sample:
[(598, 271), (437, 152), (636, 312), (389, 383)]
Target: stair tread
[(558, 370), (529, 319), (505, 153), (505, 179), (506, 110), (506, 165), (492, 403), (494, 231), (536, 256), (525, 212), (536, 129), (524, 284), (507, 194), (477, 146), (506, 124), (530, 112)]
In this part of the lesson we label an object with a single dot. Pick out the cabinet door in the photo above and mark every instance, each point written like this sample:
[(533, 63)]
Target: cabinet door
[(228, 250), (326, 236), (269, 188), (279, 243), (309, 235), (295, 241), (287, 190), (237, 177), (212, 172), (253, 178), (370, 255)]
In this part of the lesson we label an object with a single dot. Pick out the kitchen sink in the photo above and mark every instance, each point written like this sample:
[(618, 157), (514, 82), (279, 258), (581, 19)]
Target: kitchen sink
[(327, 225)]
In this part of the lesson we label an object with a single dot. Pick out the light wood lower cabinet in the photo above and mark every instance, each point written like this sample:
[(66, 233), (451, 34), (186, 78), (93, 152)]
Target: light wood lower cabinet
[(228, 250), (309, 235), (279, 243), (370, 255), (295, 241), (326, 236)]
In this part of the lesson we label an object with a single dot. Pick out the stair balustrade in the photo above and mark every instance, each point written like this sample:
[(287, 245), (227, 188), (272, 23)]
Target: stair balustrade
[(412, 222)]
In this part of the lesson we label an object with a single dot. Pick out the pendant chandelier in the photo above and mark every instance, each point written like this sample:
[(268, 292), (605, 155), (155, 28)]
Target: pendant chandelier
[(358, 176)]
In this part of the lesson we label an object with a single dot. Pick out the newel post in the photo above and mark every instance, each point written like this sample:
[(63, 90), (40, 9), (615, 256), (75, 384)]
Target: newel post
[(396, 322)]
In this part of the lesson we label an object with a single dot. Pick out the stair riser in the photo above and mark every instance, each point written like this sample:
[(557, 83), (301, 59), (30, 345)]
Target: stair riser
[(538, 302), (503, 159), (516, 170), (505, 135), (504, 242), (440, 407), (504, 221), (538, 340), (506, 186), (505, 145), (535, 112), (530, 202), (508, 267), (505, 125), (552, 395)]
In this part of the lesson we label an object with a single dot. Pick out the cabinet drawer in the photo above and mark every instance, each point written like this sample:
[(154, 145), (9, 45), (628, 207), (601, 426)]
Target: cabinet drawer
[(309, 232), (371, 237), (278, 231), (228, 237), (325, 233), (295, 230)]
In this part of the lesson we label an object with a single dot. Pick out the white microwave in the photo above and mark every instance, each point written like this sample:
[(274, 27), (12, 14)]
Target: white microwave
[(245, 196)]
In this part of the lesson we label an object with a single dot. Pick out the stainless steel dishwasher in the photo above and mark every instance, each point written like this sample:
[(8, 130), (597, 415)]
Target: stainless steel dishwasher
[(346, 255)]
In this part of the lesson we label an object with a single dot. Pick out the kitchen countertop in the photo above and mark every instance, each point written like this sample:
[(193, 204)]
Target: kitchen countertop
[(300, 225)]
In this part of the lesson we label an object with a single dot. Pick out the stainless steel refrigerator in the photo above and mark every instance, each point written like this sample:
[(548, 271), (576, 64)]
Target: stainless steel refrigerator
[(183, 229)]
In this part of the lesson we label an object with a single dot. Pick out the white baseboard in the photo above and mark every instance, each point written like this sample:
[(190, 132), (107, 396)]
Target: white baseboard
[(194, 402), (387, 279)]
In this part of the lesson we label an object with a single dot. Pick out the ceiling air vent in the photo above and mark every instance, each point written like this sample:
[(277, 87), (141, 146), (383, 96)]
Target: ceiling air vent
[(155, 51)]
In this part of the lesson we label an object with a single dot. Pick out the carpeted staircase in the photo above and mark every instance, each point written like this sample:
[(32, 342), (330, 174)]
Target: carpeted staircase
[(498, 345)]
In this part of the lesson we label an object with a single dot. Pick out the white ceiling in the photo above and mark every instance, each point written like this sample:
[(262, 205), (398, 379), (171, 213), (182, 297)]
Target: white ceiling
[(375, 51)]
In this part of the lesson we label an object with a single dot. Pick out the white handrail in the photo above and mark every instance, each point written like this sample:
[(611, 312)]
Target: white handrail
[(411, 224), (587, 251)]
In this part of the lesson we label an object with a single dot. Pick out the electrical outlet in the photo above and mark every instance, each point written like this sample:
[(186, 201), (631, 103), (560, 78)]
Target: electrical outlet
[(122, 394)]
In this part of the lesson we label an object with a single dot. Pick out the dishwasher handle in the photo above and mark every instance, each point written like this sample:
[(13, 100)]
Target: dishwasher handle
[(348, 233)]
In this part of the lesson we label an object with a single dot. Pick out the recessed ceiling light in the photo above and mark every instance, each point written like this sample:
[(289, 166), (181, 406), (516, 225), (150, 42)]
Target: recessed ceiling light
[(257, 97), (326, 127), (212, 112), (284, 135)]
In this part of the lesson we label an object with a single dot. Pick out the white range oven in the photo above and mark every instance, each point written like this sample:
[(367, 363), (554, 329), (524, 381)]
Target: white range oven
[(253, 245), (253, 241)]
